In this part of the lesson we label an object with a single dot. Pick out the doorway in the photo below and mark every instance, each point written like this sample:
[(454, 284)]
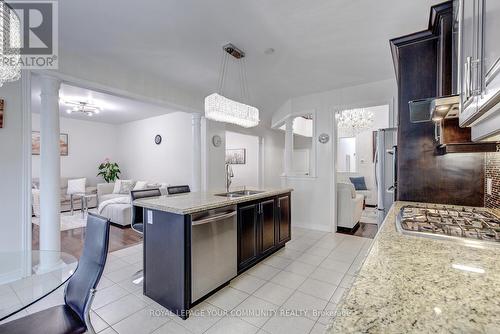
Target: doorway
[(357, 188)]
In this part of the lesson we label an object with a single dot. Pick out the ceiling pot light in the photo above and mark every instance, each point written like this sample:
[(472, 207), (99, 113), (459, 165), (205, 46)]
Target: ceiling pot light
[(222, 109), (10, 34), (269, 51)]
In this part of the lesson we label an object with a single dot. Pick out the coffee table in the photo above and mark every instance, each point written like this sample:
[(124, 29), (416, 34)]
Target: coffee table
[(85, 201)]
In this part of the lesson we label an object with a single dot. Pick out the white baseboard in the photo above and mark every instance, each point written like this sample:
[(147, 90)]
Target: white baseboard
[(11, 276), (309, 226)]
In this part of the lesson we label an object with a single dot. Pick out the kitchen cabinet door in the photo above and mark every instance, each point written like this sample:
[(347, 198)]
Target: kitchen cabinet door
[(284, 222), (490, 59), (268, 231), (469, 69), (248, 227)]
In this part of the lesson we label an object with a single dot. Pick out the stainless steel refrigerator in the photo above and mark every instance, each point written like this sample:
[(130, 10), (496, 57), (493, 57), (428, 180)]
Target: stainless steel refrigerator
[(386, 168)]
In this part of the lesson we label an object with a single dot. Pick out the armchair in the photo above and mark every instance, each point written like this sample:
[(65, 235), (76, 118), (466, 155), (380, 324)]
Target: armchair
[(349, 206)]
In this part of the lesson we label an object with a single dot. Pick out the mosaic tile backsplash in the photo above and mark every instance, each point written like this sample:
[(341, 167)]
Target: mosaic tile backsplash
[(492, 170)]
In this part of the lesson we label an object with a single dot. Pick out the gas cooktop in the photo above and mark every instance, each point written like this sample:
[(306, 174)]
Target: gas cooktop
[(476, 225)]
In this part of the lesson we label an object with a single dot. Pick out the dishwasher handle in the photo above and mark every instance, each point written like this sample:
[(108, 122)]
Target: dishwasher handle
[(214, 218)]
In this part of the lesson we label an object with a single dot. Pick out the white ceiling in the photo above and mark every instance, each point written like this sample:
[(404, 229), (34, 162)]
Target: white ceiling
[(115, 109), (320, 44)]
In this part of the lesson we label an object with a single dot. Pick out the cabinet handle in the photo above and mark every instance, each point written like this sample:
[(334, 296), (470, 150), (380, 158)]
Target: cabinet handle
[(468, 69)]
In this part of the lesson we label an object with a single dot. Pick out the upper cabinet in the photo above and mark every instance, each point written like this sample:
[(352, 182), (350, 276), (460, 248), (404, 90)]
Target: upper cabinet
[(479, 63)]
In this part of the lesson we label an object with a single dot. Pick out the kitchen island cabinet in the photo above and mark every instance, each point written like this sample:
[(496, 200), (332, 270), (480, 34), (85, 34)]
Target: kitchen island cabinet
[(195, 243)]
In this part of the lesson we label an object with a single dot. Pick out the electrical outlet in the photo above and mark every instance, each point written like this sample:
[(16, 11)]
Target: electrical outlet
[(489, 186)]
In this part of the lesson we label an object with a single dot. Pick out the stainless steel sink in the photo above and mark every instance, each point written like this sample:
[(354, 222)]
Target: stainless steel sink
[(239, 193)]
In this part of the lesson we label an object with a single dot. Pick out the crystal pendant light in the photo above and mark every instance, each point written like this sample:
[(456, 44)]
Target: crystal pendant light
[(351, 122), (223, 109), (10, 43)]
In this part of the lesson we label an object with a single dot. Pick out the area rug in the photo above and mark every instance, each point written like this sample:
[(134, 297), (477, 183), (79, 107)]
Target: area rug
[(69, 221)]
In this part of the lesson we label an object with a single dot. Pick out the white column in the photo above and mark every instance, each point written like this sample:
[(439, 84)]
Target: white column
[(196, 168), (50, 237), (288, 145)]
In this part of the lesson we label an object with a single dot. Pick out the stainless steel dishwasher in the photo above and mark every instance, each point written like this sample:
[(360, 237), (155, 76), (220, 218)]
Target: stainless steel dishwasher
[(213, 250)]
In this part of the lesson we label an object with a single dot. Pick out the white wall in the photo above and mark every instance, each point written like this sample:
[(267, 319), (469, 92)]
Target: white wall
[(11, 169), (346, 147), (169, 162), (247, 174), (89, 143), (313, 201), (272, 159), (213, 158)]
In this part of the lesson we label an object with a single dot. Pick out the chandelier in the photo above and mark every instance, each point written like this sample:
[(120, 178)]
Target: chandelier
[(352, 122), (10, 44), (82, 107), (223, 109)]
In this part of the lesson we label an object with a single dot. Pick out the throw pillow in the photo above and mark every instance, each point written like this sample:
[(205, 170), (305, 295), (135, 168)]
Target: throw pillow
[(141, 185), (76, 186), (359, 183), (126, 186), (120, 188)]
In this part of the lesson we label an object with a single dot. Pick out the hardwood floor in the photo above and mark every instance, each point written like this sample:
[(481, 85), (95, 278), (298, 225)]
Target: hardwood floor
[(72, 240)]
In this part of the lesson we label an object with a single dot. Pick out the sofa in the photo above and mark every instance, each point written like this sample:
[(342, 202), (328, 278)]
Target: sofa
[(65, 198), (118, 209), (370, 194), (118, 213), (349, 206)]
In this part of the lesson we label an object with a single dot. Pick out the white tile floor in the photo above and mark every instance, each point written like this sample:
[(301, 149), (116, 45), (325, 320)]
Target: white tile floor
[(288, 292)]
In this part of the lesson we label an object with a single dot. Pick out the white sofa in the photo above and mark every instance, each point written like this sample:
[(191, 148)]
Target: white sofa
[(349, 206), (370, 194), (119, 213)]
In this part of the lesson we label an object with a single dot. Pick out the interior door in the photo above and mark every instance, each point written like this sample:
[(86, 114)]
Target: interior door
[(268, 225)]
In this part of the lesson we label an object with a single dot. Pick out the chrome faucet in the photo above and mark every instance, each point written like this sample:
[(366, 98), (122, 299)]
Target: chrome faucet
[(229, 175)]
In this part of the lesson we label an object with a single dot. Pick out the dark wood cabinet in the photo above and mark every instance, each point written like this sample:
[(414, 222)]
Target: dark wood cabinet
[(248, 227), (283, 220), (268, 230), (263, 228), (421, 62)]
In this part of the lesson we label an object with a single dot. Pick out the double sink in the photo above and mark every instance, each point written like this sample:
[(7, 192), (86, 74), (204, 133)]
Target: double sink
[(239, 193)]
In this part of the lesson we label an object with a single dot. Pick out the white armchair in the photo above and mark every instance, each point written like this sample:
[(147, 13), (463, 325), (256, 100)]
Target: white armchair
[(349, 205)]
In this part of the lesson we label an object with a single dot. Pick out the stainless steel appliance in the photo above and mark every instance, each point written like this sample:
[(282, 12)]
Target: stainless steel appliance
[(213, 250), (468, 225), (386, 168)]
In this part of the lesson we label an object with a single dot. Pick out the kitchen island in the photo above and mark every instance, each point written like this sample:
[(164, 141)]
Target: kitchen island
[(411, 284), (195, 243)]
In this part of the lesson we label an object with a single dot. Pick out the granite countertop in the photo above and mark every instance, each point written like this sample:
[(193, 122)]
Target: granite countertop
[(199, 201), (407, 285)]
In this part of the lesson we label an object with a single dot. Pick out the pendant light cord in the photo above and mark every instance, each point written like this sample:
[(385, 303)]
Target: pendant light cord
[(222, 72)]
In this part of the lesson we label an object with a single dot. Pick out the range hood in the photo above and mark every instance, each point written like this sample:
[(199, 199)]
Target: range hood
[(434, 109)]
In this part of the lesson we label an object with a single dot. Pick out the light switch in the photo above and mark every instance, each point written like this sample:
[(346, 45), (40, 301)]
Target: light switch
[(150, 217), (489, 186)]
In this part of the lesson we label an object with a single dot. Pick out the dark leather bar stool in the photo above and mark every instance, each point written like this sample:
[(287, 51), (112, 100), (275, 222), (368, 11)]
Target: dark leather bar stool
[(74, 315), (173, 190), (137, 220)]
